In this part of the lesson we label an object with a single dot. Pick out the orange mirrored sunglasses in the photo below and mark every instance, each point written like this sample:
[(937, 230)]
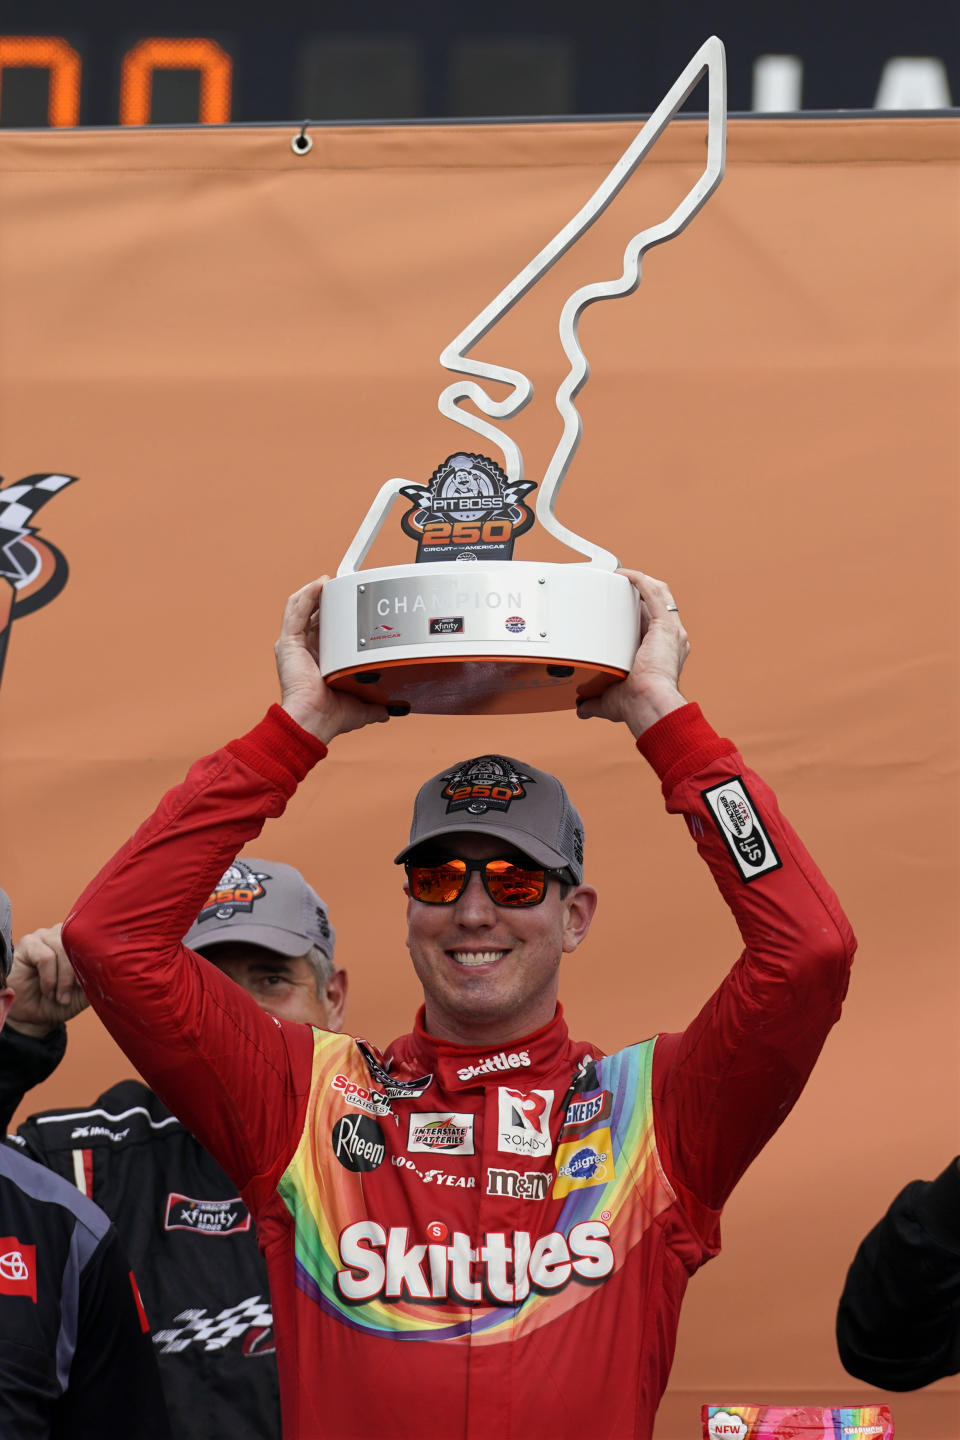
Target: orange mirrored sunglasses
[(506, 882)]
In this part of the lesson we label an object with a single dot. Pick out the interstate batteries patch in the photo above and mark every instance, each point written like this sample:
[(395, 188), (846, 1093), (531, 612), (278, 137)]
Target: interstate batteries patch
[(737, 820)]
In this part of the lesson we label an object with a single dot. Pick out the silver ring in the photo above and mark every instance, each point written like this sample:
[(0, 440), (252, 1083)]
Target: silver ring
[(673, 607)]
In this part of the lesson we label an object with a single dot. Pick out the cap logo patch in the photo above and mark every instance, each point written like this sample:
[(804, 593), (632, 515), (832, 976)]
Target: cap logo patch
[(237, 893), (488, 782)]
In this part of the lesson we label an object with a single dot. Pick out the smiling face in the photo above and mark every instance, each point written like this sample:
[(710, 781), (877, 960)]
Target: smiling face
[(285, 986), (490, 973)]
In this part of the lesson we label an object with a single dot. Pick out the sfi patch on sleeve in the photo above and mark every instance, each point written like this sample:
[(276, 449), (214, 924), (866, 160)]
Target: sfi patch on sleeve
[(739, 824)]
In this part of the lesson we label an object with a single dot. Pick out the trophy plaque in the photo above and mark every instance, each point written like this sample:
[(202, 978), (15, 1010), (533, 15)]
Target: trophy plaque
[(466, 629)]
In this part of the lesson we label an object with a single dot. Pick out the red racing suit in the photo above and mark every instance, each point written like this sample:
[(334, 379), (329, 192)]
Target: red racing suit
[(468, 1244)]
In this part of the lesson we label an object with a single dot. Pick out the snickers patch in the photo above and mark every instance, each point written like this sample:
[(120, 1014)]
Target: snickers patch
[(738, 822), (206, 1217), (586, 1113)]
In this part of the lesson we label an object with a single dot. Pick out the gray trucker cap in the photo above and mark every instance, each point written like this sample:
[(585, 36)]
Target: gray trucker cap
[(517, 803), (262, 902)]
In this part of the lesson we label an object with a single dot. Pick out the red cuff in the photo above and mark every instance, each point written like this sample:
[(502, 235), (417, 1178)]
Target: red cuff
[(279, 749), (681, 744)]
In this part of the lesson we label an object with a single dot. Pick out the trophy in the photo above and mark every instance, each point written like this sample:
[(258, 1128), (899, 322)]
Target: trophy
[(466, 629)]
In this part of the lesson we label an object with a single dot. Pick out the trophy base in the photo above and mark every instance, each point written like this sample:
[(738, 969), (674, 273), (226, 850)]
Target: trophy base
[(483, 639), (484, 685)]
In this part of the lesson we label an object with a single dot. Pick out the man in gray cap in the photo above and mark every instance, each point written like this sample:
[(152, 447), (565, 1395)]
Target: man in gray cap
[(75, 1353), (488, 1229), (187, 1231)]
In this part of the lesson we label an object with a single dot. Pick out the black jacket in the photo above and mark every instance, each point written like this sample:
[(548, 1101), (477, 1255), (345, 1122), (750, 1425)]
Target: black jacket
[(898, 1325), (188, 1235), (75, 1357)]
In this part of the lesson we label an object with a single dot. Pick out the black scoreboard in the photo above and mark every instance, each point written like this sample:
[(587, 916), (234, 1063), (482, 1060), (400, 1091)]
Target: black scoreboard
[(103, 62)]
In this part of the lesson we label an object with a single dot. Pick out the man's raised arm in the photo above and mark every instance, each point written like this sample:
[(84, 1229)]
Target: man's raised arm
[(235, 1076), (726, 1083)]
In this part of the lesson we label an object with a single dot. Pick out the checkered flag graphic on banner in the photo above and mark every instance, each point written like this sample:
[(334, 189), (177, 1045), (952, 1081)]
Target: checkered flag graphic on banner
[(32, 571), (18, 505)]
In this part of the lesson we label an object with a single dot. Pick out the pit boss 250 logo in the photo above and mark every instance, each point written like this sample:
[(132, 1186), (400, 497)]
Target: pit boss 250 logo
[(470, 509), (490, 782), (238, 890)]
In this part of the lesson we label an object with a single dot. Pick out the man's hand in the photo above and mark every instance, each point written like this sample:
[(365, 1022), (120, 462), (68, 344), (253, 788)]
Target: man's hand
[(304, 694), (46, 991), (650, 690)]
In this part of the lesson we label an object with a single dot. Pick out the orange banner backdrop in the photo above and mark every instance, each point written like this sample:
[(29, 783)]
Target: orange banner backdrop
[(231, 346)]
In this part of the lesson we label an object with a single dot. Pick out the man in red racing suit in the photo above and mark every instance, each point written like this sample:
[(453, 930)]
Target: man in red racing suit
[(488, 1230)]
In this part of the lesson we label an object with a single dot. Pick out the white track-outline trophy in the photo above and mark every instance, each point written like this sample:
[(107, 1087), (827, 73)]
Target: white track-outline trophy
[(466, 629)]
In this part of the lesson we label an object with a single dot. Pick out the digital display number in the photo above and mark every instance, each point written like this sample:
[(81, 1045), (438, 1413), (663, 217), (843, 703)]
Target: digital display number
[(208, 60)]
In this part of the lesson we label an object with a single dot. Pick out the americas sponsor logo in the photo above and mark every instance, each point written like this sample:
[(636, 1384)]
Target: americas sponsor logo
[(18, 1268), (358, 1143), (524, 1127), (434, 1177), (385, 632), (502, 1270), (531, 1185), (515, 1060), (206, 1217), (449, 1131)]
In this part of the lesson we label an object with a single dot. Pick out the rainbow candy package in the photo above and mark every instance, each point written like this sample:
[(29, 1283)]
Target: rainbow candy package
[(796, 1422)]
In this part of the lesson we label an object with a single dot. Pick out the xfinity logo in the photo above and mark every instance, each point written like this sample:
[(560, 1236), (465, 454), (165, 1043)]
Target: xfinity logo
[(206, 1217), (504, 1061)]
